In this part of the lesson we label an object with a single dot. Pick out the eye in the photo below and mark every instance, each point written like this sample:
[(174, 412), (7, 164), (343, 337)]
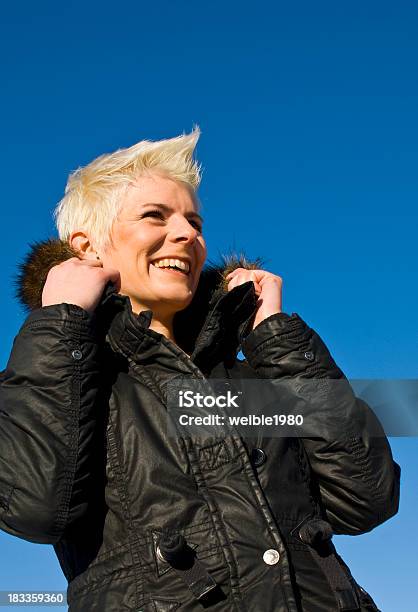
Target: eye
[(157, 214), (153, 213), (196, 225)]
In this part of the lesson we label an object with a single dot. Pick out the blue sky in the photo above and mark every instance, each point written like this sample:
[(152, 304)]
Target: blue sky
[(308, 114)]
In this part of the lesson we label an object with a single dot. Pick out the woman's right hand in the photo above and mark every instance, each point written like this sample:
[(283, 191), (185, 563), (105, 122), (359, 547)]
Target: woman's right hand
[(78, 281)]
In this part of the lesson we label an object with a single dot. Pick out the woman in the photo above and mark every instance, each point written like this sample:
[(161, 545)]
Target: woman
[(140, 520)]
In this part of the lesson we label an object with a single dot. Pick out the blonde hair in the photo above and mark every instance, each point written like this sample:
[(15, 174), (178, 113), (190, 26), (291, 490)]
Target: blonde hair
[(93, 194)]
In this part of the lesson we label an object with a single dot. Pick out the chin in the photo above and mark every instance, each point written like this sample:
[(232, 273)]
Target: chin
[(171, 300), (179, 302)]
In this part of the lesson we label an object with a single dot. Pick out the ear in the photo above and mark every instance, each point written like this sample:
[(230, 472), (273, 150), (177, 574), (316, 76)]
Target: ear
[(80, 242)]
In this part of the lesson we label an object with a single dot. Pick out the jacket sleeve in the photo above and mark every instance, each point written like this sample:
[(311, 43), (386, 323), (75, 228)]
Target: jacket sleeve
[(357, 477), (47, 419)]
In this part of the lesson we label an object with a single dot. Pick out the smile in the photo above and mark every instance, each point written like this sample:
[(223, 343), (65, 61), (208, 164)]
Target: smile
[(173, 265)]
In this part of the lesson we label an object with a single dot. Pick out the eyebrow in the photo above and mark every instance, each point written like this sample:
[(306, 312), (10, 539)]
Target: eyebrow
[(168, 209)]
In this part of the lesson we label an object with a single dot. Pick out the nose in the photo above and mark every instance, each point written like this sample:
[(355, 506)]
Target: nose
[(183, 231)]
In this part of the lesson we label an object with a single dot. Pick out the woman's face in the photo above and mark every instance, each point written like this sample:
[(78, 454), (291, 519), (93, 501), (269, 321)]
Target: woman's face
[(158, 221)]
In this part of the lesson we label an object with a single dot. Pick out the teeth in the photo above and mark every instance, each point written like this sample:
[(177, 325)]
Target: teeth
[(174, 263)]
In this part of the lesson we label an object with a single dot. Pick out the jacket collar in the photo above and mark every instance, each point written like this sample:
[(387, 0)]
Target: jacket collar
[(209, 329), (217, 339)]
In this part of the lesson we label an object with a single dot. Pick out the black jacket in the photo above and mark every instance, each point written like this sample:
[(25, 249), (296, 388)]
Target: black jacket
[(86, 463)]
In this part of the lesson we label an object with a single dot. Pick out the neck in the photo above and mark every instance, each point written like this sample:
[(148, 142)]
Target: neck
[(161, 323), (163, 327)]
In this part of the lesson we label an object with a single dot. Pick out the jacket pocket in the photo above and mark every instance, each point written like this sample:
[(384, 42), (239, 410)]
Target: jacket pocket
[(168, 582)]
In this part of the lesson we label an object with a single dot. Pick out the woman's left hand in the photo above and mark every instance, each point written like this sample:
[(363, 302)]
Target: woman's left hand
[(268, 288)]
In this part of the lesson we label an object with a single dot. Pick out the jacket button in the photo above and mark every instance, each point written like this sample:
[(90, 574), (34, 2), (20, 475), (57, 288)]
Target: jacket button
[(258, 457), (171, 548), (271, 556), (76, 355), (309, 356)]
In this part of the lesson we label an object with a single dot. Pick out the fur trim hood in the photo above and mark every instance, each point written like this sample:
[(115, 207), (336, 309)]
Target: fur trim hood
[(43, 255)]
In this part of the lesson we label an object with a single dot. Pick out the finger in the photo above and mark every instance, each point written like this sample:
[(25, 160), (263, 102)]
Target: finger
[(231, 284), (94, 263), (271, 278), (112, 274), (240, 279), (234, 272), (247, 275), (235, 282), (257, 289), (251, 274), (82, 262)]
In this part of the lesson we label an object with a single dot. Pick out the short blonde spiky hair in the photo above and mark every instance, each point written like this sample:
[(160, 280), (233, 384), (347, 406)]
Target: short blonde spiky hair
[(93, 193)]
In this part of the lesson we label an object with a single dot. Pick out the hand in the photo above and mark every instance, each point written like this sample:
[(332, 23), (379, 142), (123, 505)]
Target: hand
[(78, 281), (268, 288)]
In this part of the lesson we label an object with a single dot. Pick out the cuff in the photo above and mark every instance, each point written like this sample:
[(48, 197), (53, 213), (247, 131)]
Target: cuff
[(275, 325), (71, 317), (284, 345)]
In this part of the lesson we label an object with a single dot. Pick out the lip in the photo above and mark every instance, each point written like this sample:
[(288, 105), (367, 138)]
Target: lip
[(174, 272)]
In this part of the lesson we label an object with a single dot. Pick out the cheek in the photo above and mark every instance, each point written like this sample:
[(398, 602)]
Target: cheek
[(129, 247), (124, 259), (202, 252)]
